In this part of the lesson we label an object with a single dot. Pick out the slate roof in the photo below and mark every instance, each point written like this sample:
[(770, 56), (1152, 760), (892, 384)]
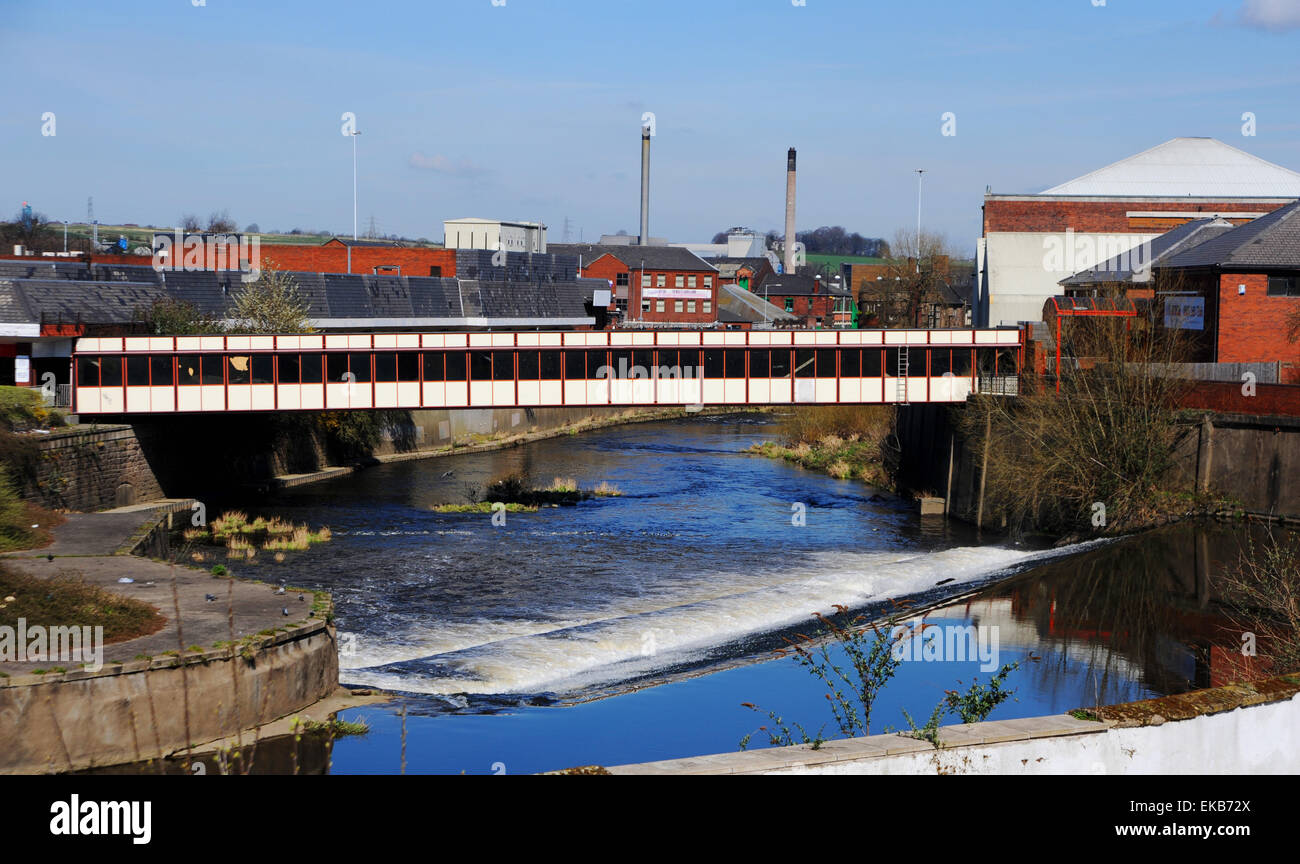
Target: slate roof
[(1271, 242), (334, 300), (637, 257), (1183, 238), (789, 284)]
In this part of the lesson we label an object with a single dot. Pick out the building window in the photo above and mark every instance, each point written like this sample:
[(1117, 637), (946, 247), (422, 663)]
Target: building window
[(645, 306), (690, 305), (789, 304), (708, 281), (708, 305), (645, 280), (621, 280), (1284, 286), (680, 281), (677, 305), (690, 282), (659, 305), (620, 306), (661, 280)]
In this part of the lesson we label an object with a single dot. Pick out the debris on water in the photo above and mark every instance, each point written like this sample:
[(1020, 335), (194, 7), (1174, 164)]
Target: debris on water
[(126, 580)]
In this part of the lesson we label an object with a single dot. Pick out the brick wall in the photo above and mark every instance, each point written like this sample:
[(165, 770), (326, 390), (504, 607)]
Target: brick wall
[(1226, 397), (1252, 325), (1103, 216), (608, 267), (333, 258)]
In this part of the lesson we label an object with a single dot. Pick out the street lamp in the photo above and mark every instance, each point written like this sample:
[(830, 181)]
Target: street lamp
[(65, 236), (354, 135), (920, 173)]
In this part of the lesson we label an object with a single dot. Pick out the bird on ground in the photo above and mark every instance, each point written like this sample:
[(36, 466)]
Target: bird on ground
[(211, 598), (285, 611), (447, 474), (302, 598), (280, 590)]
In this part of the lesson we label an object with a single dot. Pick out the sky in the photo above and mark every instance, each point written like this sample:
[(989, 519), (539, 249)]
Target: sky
[(531, 109)]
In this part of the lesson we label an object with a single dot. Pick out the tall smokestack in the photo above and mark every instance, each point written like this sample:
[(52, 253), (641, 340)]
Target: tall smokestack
[(789, 212), (645, 186)]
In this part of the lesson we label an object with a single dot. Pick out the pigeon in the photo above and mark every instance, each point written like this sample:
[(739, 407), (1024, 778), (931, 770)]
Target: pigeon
[(211, 598), (447, 474), (285, 611), (126, 580), (49, 557), (302, 598), (280, 590)]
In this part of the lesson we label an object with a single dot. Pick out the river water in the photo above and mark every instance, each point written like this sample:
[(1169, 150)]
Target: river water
[(627, 629)]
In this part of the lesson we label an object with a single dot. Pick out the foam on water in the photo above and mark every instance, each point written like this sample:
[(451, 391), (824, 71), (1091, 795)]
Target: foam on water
[(666, 627)]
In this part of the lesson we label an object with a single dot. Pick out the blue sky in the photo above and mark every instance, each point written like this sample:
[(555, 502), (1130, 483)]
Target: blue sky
[(531, 110)]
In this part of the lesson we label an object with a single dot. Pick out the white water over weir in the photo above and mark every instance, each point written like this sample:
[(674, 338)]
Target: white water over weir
[(668, 626)]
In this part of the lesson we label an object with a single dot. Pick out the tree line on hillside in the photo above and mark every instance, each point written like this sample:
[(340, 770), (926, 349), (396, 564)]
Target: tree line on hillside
[(829, 240)]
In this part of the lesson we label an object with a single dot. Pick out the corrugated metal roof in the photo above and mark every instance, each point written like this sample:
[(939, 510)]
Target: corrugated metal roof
[(1188, 166)]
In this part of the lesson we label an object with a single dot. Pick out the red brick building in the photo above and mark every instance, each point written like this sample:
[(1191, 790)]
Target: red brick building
[(651, 285), (368, 257), (1030, 242), (808, 298)]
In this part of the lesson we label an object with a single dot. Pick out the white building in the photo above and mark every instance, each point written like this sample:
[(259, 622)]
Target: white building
[(494, 235), (1033, 241)]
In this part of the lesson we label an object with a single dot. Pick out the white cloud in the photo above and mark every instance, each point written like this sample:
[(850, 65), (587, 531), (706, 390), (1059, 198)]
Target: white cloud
[(1271, 14), (442, 165)]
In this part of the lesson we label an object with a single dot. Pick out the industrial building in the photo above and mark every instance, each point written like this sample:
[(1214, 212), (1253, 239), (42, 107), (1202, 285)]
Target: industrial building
[(494, 235), (1031, 242)]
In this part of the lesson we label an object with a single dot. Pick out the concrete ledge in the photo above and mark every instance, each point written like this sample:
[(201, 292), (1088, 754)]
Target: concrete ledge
[(1239, 728)]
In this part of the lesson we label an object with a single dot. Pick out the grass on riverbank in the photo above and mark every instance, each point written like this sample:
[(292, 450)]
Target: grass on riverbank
[(242, 537), (68, 601), (848, 443)]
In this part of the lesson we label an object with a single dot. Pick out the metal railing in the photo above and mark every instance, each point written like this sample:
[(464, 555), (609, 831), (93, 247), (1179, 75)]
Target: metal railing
[(999, 385), (58, 396)]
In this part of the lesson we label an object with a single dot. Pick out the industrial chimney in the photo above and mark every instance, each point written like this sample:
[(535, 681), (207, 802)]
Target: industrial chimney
[(789, 212), (645, 186)]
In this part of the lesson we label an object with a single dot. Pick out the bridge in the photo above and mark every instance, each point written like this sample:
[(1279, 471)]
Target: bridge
[(500, 369)]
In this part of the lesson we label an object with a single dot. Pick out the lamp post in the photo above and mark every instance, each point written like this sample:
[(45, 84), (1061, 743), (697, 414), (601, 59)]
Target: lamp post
[(920, 173), (65, 236), (353, 135)]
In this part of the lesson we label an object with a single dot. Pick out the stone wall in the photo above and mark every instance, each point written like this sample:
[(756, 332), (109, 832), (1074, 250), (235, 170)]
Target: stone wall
[(91, 468), (141, 709)]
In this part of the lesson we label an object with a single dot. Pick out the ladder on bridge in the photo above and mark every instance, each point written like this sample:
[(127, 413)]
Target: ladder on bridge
[(901, 382)]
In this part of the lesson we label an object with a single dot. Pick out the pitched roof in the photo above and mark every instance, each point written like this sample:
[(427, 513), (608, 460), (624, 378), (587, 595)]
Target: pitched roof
[(793, 284), (748, 306), (1187, 166), (1155, 252), (637, 257), (1269, 242)]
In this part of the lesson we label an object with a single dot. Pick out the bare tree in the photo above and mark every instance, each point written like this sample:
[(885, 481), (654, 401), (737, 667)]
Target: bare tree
[(190, 223), (909, 288), (221, 223), (272, 304)]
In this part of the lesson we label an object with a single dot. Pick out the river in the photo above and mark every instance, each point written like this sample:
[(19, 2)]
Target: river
[(631, 628)]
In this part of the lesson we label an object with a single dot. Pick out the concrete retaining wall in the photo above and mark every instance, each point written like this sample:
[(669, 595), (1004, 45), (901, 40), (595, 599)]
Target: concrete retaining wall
[(1240, 729), (91, 468), (137, 710)]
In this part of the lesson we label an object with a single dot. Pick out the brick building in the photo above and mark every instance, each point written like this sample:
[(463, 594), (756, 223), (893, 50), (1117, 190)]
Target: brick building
[(1031, 242), (651, 285), (808, 298)]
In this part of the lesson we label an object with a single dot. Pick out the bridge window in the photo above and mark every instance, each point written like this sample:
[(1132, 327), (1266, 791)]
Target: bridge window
[(871, 364), (851, 363), (596, 358), (961, 362), (238, 369), (110, 371), (528, 365), (643, 358), (503, 366), (137, 371), (408, 366), (940, 362), (160, 370), (713, 363), (457, 366), (313, 368), (760, 363), (621, 363), (359, 366), (891, 362), (263, 368), (386, 366), (336, 366), (288, 368), (916, 360), (213, 366), (826, 362), (735, 360), (1007, 362), (780, 362), (551, 365), (435, 369), (803, 363), (985, 360), (480, 366), (574, 365), (88, 371)]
